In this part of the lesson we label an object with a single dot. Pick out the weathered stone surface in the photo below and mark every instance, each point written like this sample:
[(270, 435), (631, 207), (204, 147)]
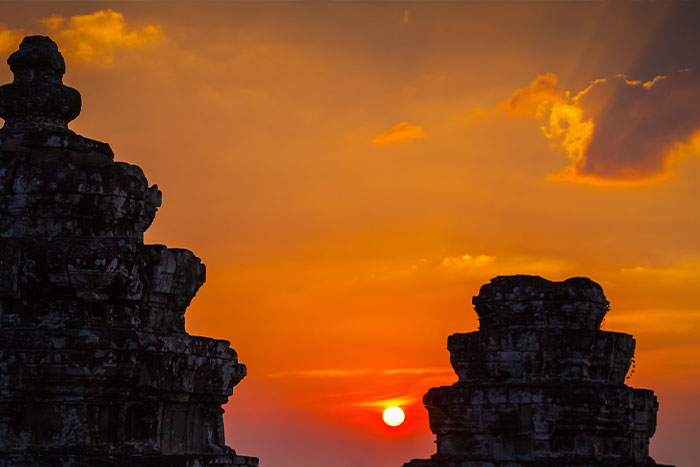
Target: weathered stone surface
[(56, 196), (96, 368), (540, 384), (530, 354), (577, 302)]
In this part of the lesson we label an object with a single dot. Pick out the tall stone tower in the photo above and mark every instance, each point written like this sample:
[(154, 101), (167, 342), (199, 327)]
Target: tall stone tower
[(540, 385), (96, 368)]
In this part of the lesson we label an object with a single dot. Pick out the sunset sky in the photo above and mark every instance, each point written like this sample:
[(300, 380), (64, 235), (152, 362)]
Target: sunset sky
[(351, 173)]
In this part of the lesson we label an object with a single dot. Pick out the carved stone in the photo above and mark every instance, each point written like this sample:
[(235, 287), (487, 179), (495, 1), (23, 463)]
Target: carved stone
[(96, 368), (540, 384)]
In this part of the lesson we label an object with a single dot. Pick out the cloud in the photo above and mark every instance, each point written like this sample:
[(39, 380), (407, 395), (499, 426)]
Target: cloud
[(477, 113), (398, 401), (616, 129), (533, 100), (689, 270), (53, 22), (95, 37), (340, 372), (9, 38), (636, 269), (417, 371), (467, 261), (333, 372), (401, 132)]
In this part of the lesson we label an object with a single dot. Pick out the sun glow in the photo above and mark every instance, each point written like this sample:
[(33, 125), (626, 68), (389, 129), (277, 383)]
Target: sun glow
[(393, 416)]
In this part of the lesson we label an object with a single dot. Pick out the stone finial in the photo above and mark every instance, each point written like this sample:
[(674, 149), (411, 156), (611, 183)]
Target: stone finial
[(37, 59), (522, 300), (38, 100)]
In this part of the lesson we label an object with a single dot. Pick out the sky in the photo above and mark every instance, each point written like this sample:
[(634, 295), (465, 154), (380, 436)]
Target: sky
[(351, 173)]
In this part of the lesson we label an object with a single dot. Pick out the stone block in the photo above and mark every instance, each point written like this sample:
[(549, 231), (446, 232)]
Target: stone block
[(547, 383)]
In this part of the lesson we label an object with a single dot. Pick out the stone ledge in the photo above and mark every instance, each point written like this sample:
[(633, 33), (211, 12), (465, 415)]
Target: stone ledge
[(459, 463), (106, 460), (99, 270), (528, 354), (54, 192)]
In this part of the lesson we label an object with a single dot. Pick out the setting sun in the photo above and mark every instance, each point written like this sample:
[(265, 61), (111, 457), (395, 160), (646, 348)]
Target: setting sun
[(393, 416)]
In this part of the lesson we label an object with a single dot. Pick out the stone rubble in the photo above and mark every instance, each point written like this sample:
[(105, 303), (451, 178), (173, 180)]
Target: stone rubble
[(540, 385), (96, 368)]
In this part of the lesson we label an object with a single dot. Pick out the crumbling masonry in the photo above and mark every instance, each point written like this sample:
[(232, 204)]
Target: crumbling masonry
[(96, 368), (540, 385)]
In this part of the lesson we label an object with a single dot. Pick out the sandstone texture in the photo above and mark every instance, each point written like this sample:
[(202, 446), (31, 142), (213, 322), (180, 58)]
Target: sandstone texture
[(540, 384), (96, 368)]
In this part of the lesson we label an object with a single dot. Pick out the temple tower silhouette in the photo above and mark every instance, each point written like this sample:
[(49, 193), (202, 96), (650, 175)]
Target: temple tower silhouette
[(540, 385), (96, 368)]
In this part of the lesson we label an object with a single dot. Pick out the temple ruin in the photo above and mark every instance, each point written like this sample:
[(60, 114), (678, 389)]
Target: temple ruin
[(96, 368), (540, 385)]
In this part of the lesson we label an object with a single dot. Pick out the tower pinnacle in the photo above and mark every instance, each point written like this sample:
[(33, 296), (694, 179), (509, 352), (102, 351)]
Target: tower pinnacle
[(38, 100)]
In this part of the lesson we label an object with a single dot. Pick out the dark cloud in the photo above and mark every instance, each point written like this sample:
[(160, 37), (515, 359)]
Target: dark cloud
[(617, 129), (640, 127), (674, 42)]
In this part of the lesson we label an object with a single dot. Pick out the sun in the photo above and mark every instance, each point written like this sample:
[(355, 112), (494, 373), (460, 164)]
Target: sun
[(393, 416)]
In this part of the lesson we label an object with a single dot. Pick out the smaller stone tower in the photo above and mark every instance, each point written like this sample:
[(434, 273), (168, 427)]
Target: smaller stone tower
[(540, 385)]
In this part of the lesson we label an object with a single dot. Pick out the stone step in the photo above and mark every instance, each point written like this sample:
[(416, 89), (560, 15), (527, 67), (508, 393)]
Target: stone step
[(531, 354)]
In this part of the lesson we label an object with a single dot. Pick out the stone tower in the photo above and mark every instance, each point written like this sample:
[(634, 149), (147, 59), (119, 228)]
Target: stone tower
[(96, 368), (540, 385)]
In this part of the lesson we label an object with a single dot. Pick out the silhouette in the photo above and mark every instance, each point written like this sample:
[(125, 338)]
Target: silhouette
[(540, 384), (96, 368)]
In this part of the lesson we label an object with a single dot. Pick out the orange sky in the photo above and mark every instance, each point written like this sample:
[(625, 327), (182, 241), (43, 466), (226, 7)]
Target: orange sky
[(351, 173)]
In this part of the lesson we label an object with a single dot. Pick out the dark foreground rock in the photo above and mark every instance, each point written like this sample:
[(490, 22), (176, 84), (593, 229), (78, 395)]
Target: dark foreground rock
[(540, 385), (96, 368)]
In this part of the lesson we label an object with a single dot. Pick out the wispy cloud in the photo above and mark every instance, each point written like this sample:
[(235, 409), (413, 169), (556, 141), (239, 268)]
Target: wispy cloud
[(404, 131), (325, 373), (634, 270), (467, 261), (398, 401), (9, 38), (681, 271), (96, 37), (53, 22), (341, 372), (534, 100), (473, 266), (417, 371), (616, 129)]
